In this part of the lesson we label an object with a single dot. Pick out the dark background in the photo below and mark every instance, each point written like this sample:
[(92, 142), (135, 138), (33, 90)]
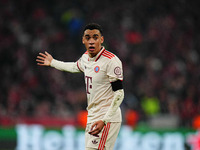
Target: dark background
[(157, 41)]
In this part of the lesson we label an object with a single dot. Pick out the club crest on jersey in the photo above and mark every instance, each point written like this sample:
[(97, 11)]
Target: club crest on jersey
[(96, 69)]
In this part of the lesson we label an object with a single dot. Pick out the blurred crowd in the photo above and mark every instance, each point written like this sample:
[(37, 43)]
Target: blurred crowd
[(157, 41)]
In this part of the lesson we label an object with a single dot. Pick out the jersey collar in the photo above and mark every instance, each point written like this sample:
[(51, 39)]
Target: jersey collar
[(97, 56)]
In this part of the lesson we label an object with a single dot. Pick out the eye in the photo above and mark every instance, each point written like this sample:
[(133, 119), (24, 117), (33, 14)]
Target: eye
[(95, 37), (87, 38)]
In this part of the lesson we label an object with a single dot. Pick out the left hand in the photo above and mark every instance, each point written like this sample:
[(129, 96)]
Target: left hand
[(96, 128)]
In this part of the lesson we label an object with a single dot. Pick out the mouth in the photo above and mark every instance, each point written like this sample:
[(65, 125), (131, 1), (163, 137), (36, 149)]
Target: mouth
[(91, 48)]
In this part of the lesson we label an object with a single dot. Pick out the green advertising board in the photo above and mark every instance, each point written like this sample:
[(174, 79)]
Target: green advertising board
[(37, 137)]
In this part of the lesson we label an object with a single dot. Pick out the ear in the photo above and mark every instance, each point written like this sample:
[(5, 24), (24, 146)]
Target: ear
[(102, 39), (83, 40)]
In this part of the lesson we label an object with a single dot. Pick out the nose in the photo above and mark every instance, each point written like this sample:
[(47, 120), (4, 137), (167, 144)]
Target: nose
[(91, 41)]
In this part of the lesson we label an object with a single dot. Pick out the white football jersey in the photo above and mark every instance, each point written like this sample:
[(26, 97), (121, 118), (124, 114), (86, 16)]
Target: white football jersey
[(99, 72)]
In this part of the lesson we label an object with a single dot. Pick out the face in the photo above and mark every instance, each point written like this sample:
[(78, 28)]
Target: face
[(92, 40)]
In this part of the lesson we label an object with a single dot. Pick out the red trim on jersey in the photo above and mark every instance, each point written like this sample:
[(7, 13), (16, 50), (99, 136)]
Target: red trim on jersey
[(86, 52), (119, 79), (100, 54), (108, 54), (104, 137), (78, 67)]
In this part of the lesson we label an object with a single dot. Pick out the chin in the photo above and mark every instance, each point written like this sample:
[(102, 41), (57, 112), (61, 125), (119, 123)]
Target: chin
[(91, 52)]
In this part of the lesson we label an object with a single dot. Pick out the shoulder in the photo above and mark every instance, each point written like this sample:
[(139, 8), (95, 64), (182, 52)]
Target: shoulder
[(107, 54), (110, 56), (84, 55)]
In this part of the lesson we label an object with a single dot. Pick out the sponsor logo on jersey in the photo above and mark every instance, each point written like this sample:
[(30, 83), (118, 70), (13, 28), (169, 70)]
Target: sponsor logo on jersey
[(96, 69)]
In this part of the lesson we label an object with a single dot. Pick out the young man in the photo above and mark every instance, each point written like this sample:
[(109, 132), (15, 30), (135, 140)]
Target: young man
[(103, 79)]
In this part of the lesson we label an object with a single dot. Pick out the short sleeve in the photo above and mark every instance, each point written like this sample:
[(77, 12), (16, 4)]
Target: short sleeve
[(115, 70)]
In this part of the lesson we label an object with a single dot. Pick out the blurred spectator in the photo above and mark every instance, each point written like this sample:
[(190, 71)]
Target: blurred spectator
[(158, 42), (131, 117)]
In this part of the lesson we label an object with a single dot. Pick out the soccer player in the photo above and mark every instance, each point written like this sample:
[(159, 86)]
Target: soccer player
[(103, 78)]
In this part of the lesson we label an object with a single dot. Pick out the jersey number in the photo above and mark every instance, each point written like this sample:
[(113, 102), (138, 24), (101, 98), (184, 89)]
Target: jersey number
[(88, 84)]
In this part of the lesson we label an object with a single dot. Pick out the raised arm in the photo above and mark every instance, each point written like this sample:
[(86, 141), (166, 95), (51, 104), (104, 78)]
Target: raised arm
[(44, 59)]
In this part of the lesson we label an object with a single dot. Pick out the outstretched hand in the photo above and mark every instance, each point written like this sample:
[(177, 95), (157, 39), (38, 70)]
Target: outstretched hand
[(96, 128), (44, 59)]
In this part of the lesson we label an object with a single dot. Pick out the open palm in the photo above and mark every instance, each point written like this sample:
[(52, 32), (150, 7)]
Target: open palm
[(44, 59)]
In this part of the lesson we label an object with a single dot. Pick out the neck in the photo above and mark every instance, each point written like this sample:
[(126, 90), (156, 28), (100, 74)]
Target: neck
[(93, 55)]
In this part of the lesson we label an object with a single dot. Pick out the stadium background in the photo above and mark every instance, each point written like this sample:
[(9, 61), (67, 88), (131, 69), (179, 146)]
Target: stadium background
[(157, 41)]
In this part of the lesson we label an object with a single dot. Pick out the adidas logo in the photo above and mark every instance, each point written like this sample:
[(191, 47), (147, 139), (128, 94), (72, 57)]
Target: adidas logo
[(94, 142)]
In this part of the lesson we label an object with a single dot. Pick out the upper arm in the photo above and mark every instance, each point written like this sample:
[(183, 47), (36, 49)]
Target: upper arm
[(115, 70), (116, 85)]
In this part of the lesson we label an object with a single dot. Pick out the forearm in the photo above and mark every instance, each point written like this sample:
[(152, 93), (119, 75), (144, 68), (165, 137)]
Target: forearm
[(117, 100), (65, 66)]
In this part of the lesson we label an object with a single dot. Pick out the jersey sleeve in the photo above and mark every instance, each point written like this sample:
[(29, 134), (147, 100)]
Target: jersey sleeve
[(65, 66), (79, 64), (115, 70), (73, 67)]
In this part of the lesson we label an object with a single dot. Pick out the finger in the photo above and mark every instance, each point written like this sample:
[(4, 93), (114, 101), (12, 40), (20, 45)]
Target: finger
[(40, 64), (42, 58), (47, 53), (95, 132), (38, 60), (43, 55), (94, 125)]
